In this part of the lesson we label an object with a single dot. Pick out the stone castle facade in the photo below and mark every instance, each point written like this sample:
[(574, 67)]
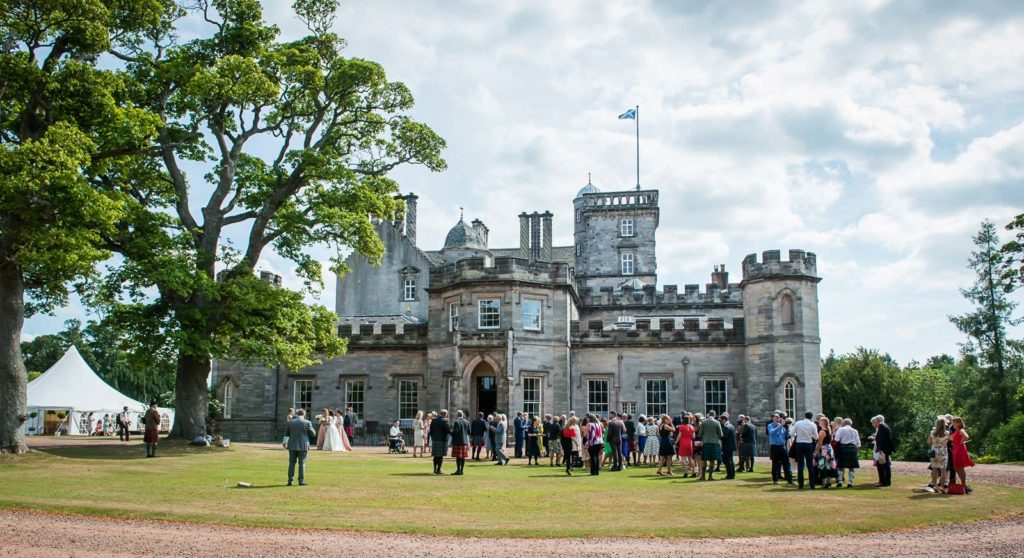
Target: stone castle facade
[(546, 328)]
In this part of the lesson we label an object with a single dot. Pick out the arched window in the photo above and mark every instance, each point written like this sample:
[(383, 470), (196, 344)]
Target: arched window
[(789, 397), (229, 399), (787, 310)]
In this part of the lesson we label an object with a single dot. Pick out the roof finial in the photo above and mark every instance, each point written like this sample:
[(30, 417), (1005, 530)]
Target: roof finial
[(461, 212), (588, 178)]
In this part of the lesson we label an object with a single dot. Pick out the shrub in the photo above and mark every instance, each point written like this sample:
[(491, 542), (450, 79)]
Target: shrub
[(1007, 441), (987, 460)]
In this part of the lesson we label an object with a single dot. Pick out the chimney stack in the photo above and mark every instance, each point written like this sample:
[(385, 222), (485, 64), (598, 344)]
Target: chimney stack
[(524, 235), (720, 277), (545, 250), (481, 228)]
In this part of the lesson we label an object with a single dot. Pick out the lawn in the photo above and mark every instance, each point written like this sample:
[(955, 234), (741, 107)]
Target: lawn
[(370, 490)]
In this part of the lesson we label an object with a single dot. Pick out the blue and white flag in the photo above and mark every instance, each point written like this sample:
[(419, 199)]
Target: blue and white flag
[(629, 114)]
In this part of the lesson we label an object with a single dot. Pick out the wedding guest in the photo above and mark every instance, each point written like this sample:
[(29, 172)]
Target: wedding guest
[(698, 454), (554, 434), (937, 455), (847, 461), (492, 424), (710, 435), (460, 441), (440, 430), (777, 436), (418, 442), (615, 430), (652, 451), (749, 448), (571, 444), (350, 424), (806, 433), (291, 414), (684, 445), (396, 434), (545, 435), (884, 448), (641, 439), (299, 431), (824, 455), (728, 446), (593, 433), (478, 429), (427, 419), (665, 448), (501, 439), (519, 424), (152, 433), (533, 442), (961, 457), (124, 422), (323, 421), (91, 420)]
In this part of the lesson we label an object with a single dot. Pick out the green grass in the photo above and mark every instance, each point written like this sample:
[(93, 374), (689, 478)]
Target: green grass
[(379, 492)]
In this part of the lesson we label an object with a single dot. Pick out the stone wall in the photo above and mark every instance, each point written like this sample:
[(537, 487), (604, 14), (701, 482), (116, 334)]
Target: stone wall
[(598, 234)]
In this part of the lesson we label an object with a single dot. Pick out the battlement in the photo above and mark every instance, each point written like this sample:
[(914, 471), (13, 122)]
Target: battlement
[(668, 296), (371, 331), (628, 199), (503, 268), (799, 264), (661, 331)]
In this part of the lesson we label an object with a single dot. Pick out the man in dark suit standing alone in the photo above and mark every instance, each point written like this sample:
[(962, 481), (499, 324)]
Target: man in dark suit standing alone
[(299, 432), (884, 448)]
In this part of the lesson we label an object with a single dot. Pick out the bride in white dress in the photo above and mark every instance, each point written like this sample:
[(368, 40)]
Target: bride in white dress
[(333, 441)]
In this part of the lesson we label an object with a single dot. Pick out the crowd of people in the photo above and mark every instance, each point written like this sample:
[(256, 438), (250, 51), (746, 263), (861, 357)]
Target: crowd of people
[(825, 453)]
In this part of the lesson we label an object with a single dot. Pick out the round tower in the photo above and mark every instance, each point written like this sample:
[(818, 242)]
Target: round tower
[(783, 346)]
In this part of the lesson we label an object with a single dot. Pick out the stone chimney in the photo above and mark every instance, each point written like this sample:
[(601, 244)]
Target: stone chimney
[(410, 217), (545, 250), (720, 277), (481, 228), (524, 235)]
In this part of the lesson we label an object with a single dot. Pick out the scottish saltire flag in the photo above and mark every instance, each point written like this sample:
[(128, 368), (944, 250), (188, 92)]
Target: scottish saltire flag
[(629, 114)]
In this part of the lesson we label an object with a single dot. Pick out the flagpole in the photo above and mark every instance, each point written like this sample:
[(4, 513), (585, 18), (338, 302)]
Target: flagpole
[(637, 119)]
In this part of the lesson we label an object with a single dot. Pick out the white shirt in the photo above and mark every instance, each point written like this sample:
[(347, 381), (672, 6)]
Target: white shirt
[(805, 432), (847, 435), (395, 431)]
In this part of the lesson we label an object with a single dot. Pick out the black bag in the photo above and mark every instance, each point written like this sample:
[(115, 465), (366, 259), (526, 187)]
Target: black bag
[(931, 453), (577, 461)]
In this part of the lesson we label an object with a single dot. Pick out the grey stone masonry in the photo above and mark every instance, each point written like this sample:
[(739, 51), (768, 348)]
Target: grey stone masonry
[(611, 226)]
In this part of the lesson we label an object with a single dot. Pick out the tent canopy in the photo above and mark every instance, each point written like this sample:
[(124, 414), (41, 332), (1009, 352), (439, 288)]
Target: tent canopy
[(71, 385)]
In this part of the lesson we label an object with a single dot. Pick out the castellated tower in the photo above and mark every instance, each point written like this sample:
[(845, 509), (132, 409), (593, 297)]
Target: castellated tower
[(783, 346), (614, 234)]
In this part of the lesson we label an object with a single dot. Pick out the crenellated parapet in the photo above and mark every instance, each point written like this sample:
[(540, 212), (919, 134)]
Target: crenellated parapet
[(499, 269), (371, 332), (692, 295), (799, 264), (661, 332)]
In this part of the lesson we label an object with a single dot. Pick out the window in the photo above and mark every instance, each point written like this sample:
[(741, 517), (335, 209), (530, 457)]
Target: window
[(229, 399), (579, 250), (532, 395), (302, 395), (489, 316), (787, 310), (716, 396), (628, 408), (656, 393), (531, 315), (408, 399), (409, 289), (627, 264), (355, 391), (579, 215), (597, 397), (626, 227), (453, 316), (789, 398)]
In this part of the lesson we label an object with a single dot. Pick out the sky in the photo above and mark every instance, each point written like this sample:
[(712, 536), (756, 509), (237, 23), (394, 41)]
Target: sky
[(877, 134)]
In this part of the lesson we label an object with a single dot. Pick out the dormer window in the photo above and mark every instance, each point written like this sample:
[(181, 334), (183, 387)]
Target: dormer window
[(626, 227), (407, 279), (409, 289)]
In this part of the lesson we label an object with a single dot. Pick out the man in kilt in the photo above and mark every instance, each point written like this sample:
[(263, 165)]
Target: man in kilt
[(152, 432), (460, 441), (478, 429), (440, 430)]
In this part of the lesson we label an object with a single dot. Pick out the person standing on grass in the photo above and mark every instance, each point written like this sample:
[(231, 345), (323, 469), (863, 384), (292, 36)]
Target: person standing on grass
[(533, 442), (632, 450), (554, 443), (299, 432), (478, 429), (418, 441), (440, 430), (728, 446), (961, 457), (748, 450), (615, 431), (710, 435), (937, 456), (570, 442), (684, 445), (652, 451), (124, 423), (427, 419), (806, 433), (519, 430), (593, 433), (884, 448), (152, 434), (492, 425), (665, 447), (350, 424), (460, 441), (777, 435), (698, 456), (641, 439), (847, 461), (501, 439)]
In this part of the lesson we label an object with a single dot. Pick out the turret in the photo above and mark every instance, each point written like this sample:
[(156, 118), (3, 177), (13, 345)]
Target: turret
[(783, 346)]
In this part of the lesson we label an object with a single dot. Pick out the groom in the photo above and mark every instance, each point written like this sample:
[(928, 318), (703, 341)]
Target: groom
[(299, 431)]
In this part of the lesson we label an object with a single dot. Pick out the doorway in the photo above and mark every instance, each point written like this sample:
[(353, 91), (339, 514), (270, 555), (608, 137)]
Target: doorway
[(484, 384)]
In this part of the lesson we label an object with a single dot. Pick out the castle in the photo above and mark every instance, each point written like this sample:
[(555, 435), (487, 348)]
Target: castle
[(545, 328)]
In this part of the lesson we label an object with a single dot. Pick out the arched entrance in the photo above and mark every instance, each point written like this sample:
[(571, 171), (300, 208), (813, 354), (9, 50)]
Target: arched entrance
[(483, 389)]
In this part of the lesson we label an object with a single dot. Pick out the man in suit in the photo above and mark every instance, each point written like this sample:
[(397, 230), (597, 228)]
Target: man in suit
[(519, 424), (478, 429), (460, 441), (349, 424), (124, 422), (884, 448), (728, 446), (440, 430), (615, 430), (299, 432)]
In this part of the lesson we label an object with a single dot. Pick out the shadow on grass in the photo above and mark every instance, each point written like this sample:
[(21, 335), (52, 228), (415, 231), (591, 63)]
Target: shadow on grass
[(414, 475), (126, 452), (258, 487)]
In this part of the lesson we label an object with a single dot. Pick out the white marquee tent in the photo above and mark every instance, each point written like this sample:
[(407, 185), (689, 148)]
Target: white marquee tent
[(71, 387)]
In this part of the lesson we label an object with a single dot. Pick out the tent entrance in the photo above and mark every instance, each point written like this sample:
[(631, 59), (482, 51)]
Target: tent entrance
[(52, 421)]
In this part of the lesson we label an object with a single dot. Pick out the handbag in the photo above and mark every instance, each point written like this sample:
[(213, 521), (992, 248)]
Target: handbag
[(931, 453), (956, 488)]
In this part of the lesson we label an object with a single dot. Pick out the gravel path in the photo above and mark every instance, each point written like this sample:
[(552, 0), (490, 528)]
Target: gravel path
[(36, 535)]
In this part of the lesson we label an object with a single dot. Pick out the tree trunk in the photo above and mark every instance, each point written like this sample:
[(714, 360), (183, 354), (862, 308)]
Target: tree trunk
[(13, 379), (190, 397)]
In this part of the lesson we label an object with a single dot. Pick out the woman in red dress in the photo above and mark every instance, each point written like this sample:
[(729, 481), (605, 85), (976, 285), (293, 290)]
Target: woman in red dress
[(684, 445), (961, 458)]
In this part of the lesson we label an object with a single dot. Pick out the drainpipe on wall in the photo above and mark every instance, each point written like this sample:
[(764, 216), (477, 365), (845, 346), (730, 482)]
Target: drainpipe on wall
[(568, 351)]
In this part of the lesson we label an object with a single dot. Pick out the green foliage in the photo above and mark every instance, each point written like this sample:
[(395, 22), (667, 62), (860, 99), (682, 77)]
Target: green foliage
[(863, 384), (1013, 253), (1007, 441), (103, 350), (930, 392)]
